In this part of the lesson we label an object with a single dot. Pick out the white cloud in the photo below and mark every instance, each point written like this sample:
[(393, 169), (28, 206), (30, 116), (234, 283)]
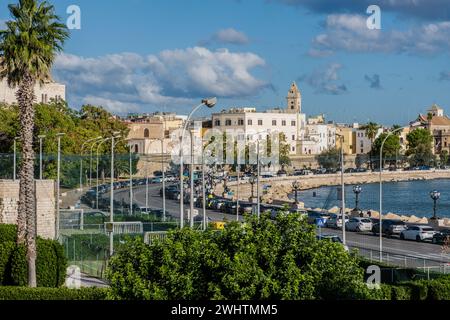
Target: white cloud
[(348, 32), (2, 24), (326, 80), (172, 77), (226, 36)]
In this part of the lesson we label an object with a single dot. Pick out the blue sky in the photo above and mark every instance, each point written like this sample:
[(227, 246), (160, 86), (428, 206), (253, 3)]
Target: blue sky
[(153, 55)]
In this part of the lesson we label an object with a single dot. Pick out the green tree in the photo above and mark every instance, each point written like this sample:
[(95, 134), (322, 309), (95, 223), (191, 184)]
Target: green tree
[(371, 129), (420, 147), (285, 150), (330, 159), (28, 48), (391, 146), (443, 156), (257, 260)]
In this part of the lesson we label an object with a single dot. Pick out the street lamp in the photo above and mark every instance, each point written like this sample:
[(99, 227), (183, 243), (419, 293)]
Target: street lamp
[(81, 160), (357, 190), (296, 187), (115, 135), (341, 137), (211, 102), (59, 135), (41, 137), (381, 186), (435, 195), (98, 160)]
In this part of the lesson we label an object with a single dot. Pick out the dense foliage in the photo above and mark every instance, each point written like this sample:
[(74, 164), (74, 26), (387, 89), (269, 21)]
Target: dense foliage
[(23, 293), (329, 159), (420, 147), (79, 126), (257, 260), (50, 264)]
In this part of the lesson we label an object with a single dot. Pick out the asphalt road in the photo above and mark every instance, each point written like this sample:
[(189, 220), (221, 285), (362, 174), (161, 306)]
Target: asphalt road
[(400, 252)]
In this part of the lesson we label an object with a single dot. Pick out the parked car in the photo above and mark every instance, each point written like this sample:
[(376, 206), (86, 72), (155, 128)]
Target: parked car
[(359, 224), (245, 208), (389, 227), (441, 237), (418, 233), (333, 238), (335, 221), (229, 207)]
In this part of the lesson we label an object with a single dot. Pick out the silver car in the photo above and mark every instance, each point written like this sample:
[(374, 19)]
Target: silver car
[(359, 224)]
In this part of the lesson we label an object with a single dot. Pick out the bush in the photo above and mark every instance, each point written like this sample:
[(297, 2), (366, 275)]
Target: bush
[(24, 293), (8, 233), (401, 293), (6, 250), (51, 262), (439, 289)]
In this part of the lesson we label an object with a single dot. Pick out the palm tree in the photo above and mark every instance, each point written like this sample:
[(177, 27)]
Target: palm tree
[(371, 129), (28, 48)]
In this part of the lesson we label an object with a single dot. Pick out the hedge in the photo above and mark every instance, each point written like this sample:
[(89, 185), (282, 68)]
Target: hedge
[(24, 293), (51, 262)]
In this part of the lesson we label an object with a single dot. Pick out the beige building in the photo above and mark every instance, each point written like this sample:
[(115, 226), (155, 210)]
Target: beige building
[(439, 126), (44, 94), (253, 124)]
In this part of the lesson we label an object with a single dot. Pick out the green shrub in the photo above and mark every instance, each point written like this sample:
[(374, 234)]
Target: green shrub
[(6, 250), (419, 289), (439, 289), (8, 233), (24, 293), (401, 293), (51, 262)]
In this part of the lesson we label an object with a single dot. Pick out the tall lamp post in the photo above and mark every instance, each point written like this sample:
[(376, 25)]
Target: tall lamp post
[(341, 137), (98, 160), (41, 137), (381, 187), (59, 135), (210, 103), (115, 135), (435, 195), (357, 190)]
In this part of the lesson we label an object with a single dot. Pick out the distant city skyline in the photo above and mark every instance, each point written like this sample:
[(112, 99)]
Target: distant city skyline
[(147, 56)]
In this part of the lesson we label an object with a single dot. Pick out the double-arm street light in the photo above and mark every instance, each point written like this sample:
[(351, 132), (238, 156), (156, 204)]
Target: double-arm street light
[(210, 103), (41, 137), (435, 195)]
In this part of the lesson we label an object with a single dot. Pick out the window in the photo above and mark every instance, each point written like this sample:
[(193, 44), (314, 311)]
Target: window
[(293, 137), (136, 148), (274, 122), (283, 123), (227, 122), (240, 122), (293, 149), (293, 123), (250, 122), (217, 123), (260, 122), (362, 150), (146, 133)]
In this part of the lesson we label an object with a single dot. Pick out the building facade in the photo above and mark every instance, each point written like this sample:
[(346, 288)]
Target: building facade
[(439, 126), (254, 125), (44, 94)]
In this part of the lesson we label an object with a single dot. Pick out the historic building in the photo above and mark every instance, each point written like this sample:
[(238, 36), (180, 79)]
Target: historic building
[(439, 126), (254, 124), (44, 94)]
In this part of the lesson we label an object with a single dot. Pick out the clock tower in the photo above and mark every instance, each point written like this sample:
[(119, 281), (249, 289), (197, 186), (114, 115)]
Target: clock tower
[(294, 99)]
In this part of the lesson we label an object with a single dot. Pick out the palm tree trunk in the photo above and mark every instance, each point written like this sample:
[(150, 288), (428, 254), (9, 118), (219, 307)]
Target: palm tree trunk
[(26, 219)]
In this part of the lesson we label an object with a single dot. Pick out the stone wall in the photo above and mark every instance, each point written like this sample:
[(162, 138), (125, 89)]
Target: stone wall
[(46, 205)]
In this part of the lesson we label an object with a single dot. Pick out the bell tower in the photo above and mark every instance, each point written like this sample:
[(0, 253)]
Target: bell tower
[(294, 99)]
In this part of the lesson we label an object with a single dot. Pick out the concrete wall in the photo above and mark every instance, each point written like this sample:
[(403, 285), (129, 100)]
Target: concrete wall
[(43, 94), (46, 205)]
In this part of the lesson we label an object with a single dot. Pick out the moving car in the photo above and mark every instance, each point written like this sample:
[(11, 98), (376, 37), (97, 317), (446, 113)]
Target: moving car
[(441, 237), (335, 221), (332, 238), (359, 224), (389, 227)]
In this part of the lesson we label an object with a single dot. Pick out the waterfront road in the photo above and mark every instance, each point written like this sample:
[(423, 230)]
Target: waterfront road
[(400, 252)]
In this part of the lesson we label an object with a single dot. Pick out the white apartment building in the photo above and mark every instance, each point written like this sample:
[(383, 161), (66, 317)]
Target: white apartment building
[(317, 138), (363, 144), (255, 125), (44, 94)]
